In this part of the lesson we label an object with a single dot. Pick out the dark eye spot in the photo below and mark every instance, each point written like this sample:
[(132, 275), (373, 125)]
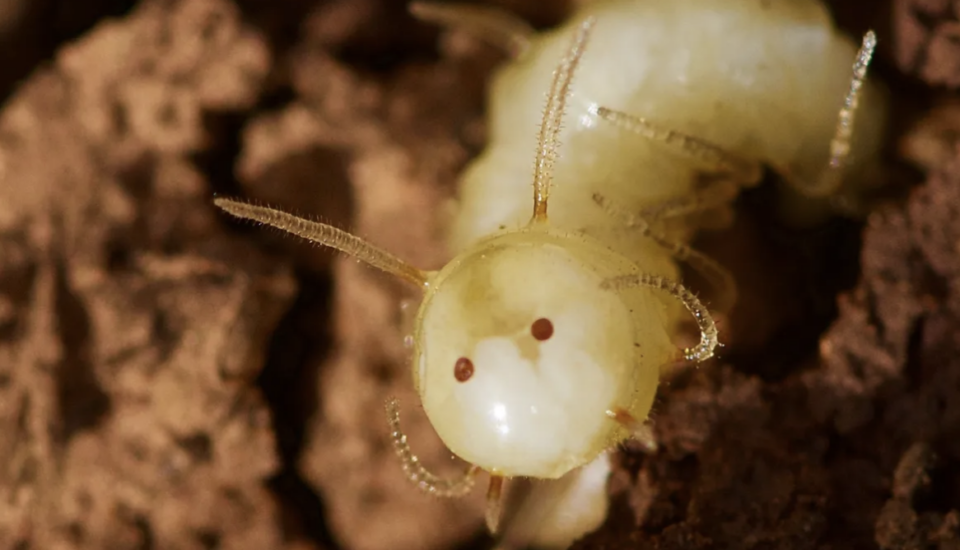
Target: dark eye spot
[(463, 369), (542, 329)]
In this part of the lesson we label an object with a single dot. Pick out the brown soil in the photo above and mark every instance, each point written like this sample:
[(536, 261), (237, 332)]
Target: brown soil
[(170, 379)]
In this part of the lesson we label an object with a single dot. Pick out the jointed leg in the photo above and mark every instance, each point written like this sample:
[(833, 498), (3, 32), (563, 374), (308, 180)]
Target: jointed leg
[(720, 278), (640, 431), (708, 329), (747, 171), (496, 26), (712, 156), (831, 177), (719, 193)]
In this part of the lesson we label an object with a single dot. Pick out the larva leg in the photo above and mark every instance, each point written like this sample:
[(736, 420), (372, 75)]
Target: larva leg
[(502, 29), (719, 193), (710, 269), (416, 472), (831, 177), (708, 328), (713, 156), (640, 431)]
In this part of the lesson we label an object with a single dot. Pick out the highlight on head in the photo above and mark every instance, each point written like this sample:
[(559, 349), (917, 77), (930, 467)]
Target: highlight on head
[(547, 140), (326, 235)]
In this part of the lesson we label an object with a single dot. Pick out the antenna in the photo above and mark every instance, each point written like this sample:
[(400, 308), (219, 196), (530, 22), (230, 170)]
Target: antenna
[(326, 235), (547, 142)]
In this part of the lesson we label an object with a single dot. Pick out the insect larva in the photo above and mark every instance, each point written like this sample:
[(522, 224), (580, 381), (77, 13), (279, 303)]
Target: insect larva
[(539, 345)]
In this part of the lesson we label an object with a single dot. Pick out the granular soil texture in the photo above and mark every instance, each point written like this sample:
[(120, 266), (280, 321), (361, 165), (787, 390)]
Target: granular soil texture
[(171, 379)]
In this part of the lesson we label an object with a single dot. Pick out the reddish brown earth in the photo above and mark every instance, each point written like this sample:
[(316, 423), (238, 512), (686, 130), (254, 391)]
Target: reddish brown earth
[(170, 379)]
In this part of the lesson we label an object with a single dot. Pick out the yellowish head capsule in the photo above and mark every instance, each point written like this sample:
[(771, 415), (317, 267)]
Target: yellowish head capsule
[(523, 410)]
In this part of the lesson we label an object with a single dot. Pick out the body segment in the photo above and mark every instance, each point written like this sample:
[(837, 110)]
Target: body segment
[(763, 79)]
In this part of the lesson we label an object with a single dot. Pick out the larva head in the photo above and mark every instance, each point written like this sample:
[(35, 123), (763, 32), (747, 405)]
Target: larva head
[(520, 353)]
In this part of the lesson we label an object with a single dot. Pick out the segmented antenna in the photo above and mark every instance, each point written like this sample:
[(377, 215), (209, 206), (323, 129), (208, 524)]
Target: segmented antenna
[(831, 177), (547, 140), (326, 235)]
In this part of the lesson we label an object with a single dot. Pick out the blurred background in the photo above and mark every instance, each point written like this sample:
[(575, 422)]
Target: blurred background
[(173, 379)]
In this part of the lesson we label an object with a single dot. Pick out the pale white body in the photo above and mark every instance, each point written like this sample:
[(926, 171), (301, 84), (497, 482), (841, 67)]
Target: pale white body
[(762, 78)]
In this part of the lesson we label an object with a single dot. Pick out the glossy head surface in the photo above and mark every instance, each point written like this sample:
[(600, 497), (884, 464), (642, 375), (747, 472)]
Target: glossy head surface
[(521, 353)]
